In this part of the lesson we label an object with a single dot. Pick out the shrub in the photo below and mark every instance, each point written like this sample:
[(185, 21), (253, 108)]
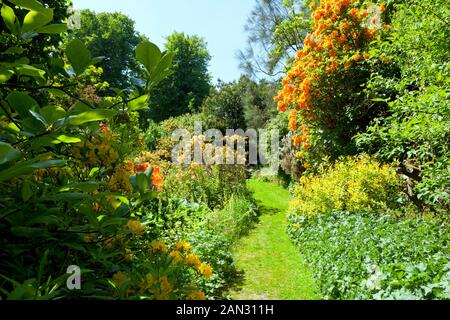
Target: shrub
[(351, 184), (211, 185), (214, 249), (372, 256), (235, 219)]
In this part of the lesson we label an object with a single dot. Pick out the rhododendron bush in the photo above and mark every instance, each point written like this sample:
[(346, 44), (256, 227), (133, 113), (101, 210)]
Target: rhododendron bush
[(321, 91)]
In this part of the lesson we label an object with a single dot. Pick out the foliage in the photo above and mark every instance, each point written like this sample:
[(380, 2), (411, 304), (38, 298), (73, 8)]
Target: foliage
[(185, 89), (276, 29), (44, 42), (259, 106), (112, 36), (237, 216), (211, 185), (224, 108), (351, 184), (416, 98), (373, 256), (71, 194), (214, 249)]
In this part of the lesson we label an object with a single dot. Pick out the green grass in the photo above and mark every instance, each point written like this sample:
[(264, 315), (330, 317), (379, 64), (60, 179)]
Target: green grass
[(273, 267)]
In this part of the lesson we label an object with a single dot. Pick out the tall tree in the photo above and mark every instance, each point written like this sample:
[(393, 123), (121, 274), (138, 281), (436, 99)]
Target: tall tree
[(259, 106), (276, 30), (224, 108), (113, 36), (188, 85)]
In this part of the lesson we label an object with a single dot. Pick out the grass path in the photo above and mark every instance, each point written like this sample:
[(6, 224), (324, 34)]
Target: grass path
[(272, 265)]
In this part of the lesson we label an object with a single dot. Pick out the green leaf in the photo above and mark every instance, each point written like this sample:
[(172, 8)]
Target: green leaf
[(90, 116), (22, 103), (7, 153), (36, 19), (51, 114), (78, 55), (27, 192), (143, 182), (163, 68), (97, 60), (28, 4), (67, 196), (89, 186), (27, 167), (149, 55), (14, 50), (66, 139), (27, 70), (139, 103), (9, 18), (5, 74), (39, 118), (53, 28)]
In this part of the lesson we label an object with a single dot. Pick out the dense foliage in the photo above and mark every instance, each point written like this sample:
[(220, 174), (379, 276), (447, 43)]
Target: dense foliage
[(375, 256), (112, 36), (184, 90)]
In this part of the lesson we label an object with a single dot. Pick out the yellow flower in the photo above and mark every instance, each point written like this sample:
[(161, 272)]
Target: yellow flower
[(164, 284), (136, 226), (192, 260), (120, 278), (182, 245), (158, 246), (196, 295), (176, 256), (205, 270)]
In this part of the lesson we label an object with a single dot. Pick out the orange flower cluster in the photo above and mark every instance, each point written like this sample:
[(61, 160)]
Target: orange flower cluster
[(157, 177), (341, 32)]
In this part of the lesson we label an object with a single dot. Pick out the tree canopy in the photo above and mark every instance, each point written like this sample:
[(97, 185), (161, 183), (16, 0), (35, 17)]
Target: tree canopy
[(114, 37), (188, 85)]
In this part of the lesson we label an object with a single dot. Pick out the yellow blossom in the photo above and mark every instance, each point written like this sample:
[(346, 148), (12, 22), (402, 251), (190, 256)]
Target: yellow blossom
[(192, 260), (136, 226), (176, 256), (158, 246), (205, 270), (120, 278), (196, 295), (182, 245)]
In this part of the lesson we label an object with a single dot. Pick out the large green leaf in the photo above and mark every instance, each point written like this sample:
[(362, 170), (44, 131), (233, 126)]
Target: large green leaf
[(53, 28), (7, 153), (22, 103), (78, 55), (36, 19), (9, 18), (5, 73), (27, 70), (67, 139), (139, 103), (149, 55), (51, 114), (28, 4), (27, 167), (162, 70), (93, 115)]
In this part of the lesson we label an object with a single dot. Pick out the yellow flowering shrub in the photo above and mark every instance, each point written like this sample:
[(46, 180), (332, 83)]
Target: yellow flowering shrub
[(351, 184), (164, 272)]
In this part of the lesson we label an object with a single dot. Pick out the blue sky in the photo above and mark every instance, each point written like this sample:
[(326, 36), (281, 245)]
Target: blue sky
[(220, 22)]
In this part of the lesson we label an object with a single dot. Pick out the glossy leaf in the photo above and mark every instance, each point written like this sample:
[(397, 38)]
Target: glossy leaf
[(8, 153), (78, 55)]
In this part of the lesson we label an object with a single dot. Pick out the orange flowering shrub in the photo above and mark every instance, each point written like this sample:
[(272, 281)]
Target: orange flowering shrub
[(322, 82)]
